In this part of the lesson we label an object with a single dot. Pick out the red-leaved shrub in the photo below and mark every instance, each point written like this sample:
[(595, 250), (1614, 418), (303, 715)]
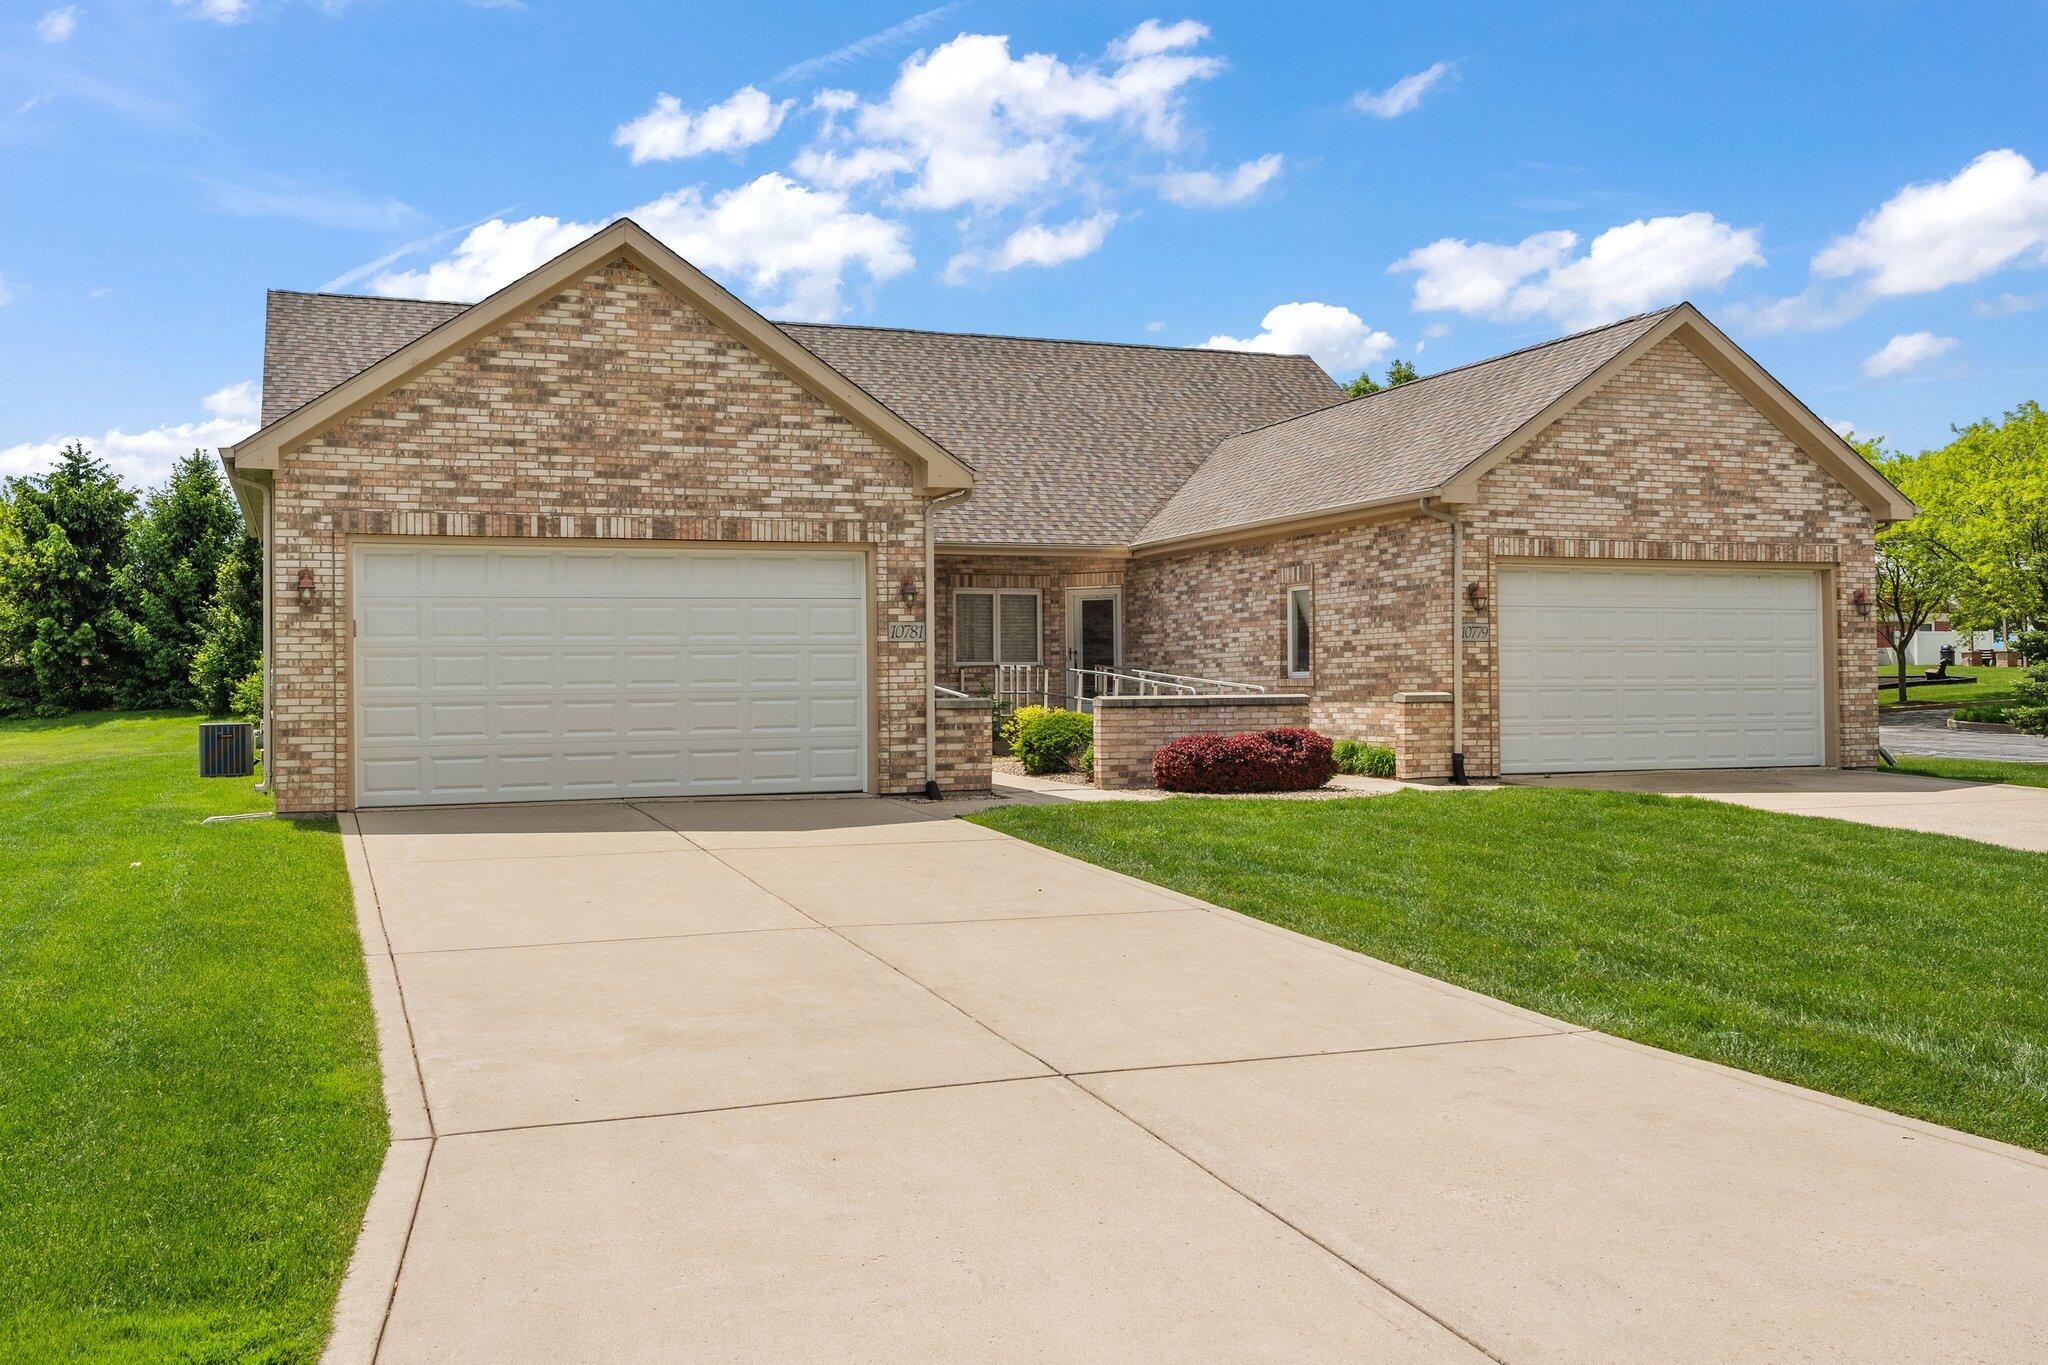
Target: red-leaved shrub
[(1286, 760)]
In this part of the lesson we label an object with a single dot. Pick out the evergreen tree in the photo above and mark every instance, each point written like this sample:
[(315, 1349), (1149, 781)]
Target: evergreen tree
[(231, 641), (176, 545), (1399, 372), (61, 543)]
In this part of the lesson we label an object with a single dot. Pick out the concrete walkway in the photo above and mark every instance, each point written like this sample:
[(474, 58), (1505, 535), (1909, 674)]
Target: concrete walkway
[(1989, 812), (837, 1079)]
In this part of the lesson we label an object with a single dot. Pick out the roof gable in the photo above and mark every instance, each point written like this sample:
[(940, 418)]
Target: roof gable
[(940, 470), (1437, 437)]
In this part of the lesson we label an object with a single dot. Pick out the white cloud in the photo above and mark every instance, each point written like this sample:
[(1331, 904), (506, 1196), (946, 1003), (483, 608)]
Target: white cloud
[(1932, 235), (1151, 38), (1338, 338), (1906, 351), (966, 124), (219, 11), (1037, 245), (58, 25), (2005, 305), (1207, 189), (1155, 326), (144, 458), (1403, 95), (788, 244), (1626, 269), (669, 132)]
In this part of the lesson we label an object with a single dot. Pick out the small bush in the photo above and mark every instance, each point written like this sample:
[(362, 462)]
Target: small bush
[(1048, 741), (247, 697), (1281, 760), (1360, 759), (1012, 723), (1087, 763), (1988, 713)]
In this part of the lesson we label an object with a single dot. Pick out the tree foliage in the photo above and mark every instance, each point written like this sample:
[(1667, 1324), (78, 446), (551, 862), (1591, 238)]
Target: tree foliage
[(1918, 573), (62, 631), (1985, 496), (1399, 372), (180, 537), (231, 636)]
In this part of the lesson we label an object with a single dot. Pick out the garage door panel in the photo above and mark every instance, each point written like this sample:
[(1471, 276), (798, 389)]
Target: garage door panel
[(509, 674), (1652, 668)]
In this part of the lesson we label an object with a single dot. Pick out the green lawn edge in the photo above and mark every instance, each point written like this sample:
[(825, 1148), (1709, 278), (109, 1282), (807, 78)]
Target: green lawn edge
[(192, 1114), (2012, 774), (1899, 969)]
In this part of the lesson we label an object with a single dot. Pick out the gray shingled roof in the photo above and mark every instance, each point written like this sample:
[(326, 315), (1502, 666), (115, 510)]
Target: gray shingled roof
[(1072, 442), (1403, 441)]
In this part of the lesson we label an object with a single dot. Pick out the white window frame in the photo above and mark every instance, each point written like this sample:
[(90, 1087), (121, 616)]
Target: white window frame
[(995, 617), (1303, 590)]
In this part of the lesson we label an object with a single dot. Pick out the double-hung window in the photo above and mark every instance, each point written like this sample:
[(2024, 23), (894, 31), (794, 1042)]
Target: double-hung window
[(997, 626), (1299, 603)]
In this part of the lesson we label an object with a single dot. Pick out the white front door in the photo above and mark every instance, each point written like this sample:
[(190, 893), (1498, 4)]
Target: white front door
[(1637, 667), (491, 673), (1095, 634)]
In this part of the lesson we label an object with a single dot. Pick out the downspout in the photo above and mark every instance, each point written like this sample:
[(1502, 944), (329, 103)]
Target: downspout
[(1457, 525), (931, 661)]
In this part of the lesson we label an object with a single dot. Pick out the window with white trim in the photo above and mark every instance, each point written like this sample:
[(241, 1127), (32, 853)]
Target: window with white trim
[(1299, 609), (997, 626)]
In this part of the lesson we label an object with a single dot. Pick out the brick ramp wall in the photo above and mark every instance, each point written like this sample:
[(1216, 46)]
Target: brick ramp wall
[(1129, 730), (965, 744)]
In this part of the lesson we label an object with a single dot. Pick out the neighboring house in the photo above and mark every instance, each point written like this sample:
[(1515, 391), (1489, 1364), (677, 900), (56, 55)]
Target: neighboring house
[(609, 532)]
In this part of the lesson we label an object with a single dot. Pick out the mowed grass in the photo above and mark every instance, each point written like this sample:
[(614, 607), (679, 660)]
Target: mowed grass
[(1908, 971), (1974, 769), (190, 1111), (1992, 684)]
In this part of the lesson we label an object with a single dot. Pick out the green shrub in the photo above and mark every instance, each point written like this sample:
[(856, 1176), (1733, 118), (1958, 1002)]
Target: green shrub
[(1047, 741), (1988, 713), (247, 699), (1013, 723), (1087, 763), (2028, 708), (1361, 759)]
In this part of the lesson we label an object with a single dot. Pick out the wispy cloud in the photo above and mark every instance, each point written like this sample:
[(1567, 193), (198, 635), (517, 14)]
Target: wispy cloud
[(1210, 189), (327, 206), (849, 53), (58, 25), (1907, 352), (1403, 95), (348, 279)]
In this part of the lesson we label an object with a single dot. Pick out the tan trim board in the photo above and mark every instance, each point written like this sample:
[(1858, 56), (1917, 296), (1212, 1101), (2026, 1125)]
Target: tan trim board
[(1284, 528), (941, 470), (957, 548)]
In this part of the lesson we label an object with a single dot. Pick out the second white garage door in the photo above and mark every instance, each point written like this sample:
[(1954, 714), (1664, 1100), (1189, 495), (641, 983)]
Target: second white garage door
[(515, 674), (1644, 668)]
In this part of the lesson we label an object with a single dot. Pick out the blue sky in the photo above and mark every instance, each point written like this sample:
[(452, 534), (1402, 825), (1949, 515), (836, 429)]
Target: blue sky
[(1858, 193)]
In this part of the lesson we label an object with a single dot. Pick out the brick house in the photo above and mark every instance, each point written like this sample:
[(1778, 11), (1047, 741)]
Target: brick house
[(610, 532)]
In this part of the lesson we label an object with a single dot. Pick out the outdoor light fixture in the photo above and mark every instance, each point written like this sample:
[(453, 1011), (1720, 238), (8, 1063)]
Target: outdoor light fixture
[(908, 588), (1476, 595), (1861, 600), (305, 587)]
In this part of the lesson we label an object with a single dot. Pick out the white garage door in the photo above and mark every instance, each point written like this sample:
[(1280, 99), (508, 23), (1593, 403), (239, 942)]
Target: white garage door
[(1612, 668), (489, 674)]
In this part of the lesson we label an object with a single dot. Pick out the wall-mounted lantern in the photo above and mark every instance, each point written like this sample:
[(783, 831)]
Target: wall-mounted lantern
[(907, 589), (306, 593), (1475, 595), (1860, 599)]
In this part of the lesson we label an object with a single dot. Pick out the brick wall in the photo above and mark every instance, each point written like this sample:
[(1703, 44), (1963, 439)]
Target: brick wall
[(1665, 463), (965, 745), (613, 411), (1129, 730)]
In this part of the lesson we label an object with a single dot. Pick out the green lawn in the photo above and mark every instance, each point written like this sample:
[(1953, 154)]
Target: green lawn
[(1909, 971), (190, 1111), (1993, 684), (1974, 769)]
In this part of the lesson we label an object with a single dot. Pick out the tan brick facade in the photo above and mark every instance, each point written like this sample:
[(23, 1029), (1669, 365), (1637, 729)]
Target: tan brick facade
[(1051, 576), (1129, 730), (614, 411), (965, 745), (1666, 462)]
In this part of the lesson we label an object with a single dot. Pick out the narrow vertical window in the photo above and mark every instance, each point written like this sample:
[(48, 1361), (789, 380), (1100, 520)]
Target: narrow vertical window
[(1298, 653)]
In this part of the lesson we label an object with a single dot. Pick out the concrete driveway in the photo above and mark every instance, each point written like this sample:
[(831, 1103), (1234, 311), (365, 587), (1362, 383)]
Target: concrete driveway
[(1989, 812), (839, 1079)]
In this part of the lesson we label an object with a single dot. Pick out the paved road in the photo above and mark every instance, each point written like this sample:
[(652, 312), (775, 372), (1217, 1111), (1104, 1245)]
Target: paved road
[(840, 1080), (1927, 732)]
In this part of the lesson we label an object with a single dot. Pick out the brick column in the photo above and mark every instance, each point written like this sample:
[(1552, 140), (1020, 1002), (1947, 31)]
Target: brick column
[(1422, 735)]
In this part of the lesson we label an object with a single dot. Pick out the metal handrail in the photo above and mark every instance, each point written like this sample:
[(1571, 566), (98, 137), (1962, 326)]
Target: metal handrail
[(1220, 684), (1142, 682), (950, 692)]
